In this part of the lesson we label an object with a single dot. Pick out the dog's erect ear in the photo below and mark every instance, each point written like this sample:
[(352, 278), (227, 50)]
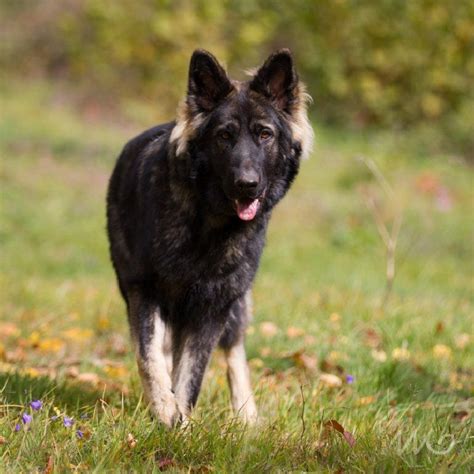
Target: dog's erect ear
[(208, 83), (277, 79)]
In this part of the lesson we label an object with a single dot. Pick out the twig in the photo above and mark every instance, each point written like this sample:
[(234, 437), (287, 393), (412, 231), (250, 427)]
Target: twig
[(389, 236)]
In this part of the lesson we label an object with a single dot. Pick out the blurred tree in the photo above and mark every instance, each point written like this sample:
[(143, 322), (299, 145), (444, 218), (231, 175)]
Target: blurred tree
[(389, 63)]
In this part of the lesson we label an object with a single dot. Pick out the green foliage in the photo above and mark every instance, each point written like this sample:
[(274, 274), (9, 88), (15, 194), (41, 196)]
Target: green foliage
[(390, 63)]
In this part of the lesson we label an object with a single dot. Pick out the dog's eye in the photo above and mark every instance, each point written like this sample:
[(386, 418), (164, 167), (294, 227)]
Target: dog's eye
[(265, 134), (225, 135)]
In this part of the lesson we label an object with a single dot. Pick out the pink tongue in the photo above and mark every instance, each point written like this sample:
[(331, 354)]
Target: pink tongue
[(247, 210)]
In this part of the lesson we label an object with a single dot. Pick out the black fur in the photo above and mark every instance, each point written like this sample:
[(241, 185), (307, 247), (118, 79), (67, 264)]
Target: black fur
[(176, 240)]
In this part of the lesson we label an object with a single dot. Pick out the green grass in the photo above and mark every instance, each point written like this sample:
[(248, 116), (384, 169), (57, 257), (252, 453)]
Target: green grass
[(64, 340)]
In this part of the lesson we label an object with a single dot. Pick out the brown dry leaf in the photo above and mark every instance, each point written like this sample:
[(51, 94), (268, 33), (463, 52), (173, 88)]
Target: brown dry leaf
[(336, 426), (303, 360), (165, 463), (293, 332), (330, 380), (461, 416), (131, 441), (268, 329), (3, 440), (439, 328), (72, 372), (49, 468), (9, 330), (372, 338), (329, 366)]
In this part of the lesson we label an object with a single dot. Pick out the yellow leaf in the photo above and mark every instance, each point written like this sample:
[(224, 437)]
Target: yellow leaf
[(78, 334), (441, 351), (116, 372), (51, 345), (401, 353), (366, 400)]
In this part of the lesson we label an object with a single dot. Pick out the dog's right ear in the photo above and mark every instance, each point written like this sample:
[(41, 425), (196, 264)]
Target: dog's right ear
[(208, 83)]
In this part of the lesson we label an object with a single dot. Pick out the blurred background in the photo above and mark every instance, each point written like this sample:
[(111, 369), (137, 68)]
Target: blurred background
[(396, 64), (364, 298)]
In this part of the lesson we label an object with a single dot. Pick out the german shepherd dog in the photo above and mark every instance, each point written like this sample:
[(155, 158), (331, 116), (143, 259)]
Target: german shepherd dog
[(188, 206)]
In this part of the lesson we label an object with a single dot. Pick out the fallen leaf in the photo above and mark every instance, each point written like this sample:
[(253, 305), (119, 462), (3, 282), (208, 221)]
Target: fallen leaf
[(265, 351), (462, 340), (268, 329), (366, 400), (88, 377), (379, 356), (9, 330), (401, 354), (3, 440), (116, 372), (336, 426), (461, 416), (131, 441), (49, 466), (441, 351), (293, 332), (305, 361), (372, 338), (439, 328), (78, 334), (330, 380), (165, 463)]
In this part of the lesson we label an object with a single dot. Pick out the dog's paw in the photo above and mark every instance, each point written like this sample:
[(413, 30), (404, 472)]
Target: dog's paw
[(165, 409)]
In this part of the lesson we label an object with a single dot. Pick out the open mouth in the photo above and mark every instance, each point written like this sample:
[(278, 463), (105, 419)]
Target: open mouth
[(247, 208)]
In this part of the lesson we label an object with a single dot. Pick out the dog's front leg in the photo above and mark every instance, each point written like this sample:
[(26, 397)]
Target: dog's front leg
[(191, 355), (150, 335)]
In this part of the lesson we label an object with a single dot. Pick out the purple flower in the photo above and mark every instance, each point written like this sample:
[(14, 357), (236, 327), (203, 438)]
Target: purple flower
[(26, 418), (79, 434), (17, 427), (350, 378), (36, 405), (68, 422)]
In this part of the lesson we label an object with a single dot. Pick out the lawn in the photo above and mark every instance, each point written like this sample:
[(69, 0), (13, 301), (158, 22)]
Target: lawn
[(347, 376)]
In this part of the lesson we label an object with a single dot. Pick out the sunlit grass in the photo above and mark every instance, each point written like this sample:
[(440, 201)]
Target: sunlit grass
[(64, 340)]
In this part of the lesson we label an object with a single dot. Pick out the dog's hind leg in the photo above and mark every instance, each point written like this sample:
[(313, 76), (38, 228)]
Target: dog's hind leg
[(238, 376), (149, 335)]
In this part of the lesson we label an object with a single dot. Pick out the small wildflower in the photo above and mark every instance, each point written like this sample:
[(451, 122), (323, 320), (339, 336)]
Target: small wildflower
[(68, 422), (17, 427), (54, 417), (36, 405), (26, 418), (79, 434), (350, 378)]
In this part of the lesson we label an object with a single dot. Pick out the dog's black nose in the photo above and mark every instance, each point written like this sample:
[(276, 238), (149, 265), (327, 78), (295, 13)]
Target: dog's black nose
[(247, 181)]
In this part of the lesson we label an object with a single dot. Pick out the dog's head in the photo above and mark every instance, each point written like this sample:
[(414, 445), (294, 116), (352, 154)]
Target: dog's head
[(243, 140)]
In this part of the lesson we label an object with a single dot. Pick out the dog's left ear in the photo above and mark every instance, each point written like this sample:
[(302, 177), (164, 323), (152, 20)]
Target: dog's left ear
[(208, 83), (277, 79)]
